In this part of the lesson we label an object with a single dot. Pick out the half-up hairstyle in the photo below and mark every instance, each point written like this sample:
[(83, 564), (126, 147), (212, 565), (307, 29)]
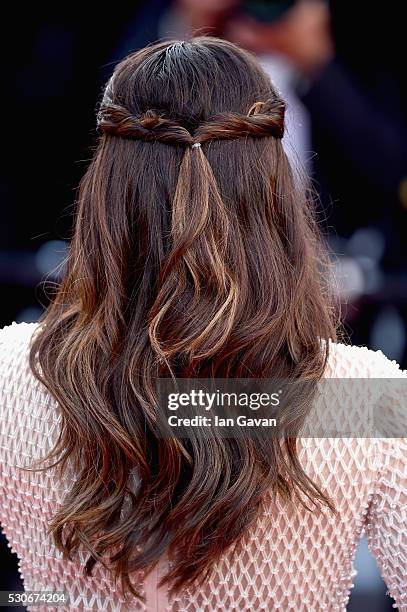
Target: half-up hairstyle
[(195, 254)]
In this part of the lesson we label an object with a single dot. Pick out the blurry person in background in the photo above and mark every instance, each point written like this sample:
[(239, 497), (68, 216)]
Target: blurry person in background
[(209, 16)]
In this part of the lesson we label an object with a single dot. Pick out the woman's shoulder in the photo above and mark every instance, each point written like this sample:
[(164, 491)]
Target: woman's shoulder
[(352, 361), (15, 372), (16, 333), (15, 340)]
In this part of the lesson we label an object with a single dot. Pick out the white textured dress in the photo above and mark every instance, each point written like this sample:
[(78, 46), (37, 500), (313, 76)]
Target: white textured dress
[(291, 559)]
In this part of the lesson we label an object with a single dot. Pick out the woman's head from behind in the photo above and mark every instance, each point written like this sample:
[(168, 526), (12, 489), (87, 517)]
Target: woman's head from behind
[(194, 253)]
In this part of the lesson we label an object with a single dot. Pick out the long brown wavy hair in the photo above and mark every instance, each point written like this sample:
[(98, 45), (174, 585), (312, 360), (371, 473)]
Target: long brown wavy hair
[(193, 261)]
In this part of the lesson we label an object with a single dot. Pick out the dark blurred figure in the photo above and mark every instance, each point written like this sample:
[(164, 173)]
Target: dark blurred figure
[(357, 100)]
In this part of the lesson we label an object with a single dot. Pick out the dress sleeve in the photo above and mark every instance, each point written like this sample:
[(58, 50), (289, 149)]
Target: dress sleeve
[(386, 521), (386, 528)]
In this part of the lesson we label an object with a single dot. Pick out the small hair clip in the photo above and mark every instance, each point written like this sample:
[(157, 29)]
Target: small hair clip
[(196, 145)]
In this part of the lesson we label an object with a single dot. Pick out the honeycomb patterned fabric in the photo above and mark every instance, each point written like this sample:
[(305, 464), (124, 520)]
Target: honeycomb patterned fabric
[(292, 558)]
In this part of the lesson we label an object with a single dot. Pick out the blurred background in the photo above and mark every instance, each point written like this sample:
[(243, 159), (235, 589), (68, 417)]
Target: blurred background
[(339, 66)]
